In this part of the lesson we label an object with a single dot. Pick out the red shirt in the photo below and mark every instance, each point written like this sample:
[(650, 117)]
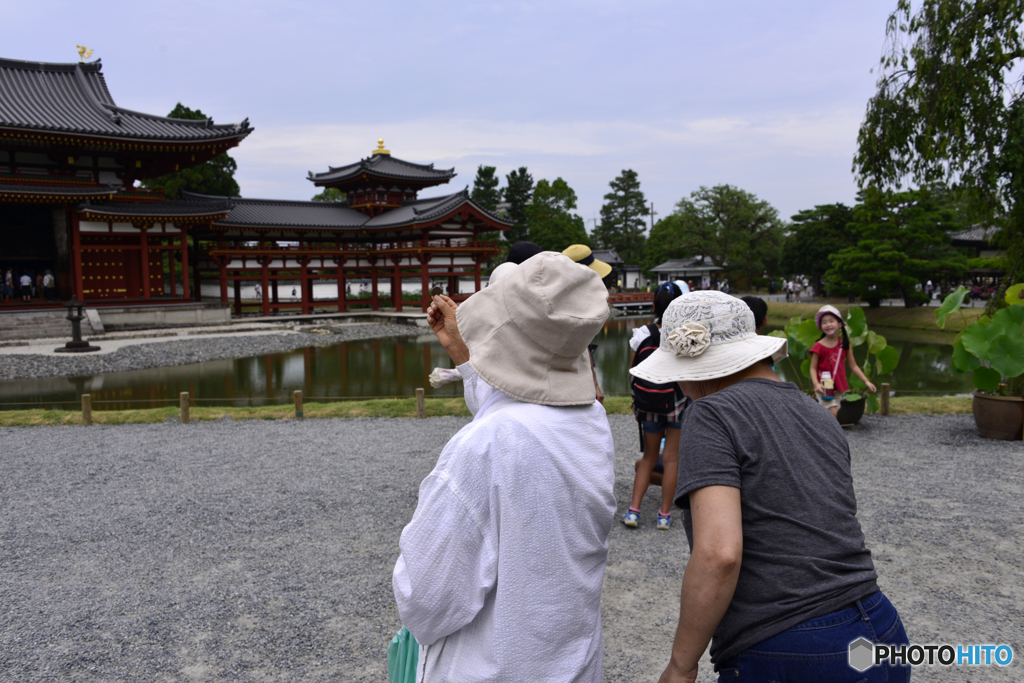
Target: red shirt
[(827, 363)]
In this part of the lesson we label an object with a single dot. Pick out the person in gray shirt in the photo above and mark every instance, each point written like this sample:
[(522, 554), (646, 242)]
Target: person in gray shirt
[(779, 579)]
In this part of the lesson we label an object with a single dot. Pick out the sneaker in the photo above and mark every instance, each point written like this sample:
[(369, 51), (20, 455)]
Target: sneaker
[(631, 519), (664, 521)]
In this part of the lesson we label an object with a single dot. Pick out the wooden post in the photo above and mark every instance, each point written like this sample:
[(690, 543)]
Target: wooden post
[(183, 402), (884, 399), (298, 404), (421, 404), (86, 409)]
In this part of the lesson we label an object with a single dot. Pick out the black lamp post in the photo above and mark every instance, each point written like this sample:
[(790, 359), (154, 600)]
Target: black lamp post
[(77, 344)]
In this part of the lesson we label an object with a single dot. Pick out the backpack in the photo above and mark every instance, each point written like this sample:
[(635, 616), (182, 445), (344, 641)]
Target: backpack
[(649, 397)]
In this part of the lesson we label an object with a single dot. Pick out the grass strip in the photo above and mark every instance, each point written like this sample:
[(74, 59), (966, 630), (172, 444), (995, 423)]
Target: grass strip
[(400, 407)]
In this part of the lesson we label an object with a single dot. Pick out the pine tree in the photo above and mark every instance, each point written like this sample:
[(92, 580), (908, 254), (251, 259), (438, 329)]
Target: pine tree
[(518, 194), (485, 188), (213, 177), (623, 218)]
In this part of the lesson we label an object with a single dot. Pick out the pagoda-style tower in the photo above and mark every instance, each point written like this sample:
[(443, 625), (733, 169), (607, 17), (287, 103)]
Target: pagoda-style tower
[(381, 182), (383, 231)]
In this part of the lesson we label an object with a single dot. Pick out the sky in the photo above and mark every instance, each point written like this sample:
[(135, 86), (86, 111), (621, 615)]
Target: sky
[(765, 96)]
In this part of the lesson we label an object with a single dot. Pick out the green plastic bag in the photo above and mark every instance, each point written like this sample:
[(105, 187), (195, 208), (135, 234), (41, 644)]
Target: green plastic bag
[(403, 655)]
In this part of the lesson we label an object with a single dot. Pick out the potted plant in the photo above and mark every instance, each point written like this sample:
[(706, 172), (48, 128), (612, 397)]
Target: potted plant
[(879, 359), (992, 350)]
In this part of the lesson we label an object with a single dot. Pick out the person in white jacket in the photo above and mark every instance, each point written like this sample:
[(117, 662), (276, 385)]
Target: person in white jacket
[(501, 567)]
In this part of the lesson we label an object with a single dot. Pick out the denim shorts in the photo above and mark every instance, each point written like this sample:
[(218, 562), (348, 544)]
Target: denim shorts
[(659, 427), (818, 649)]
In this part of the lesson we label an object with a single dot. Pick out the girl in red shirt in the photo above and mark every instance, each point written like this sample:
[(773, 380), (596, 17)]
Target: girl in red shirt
[(827, 356)]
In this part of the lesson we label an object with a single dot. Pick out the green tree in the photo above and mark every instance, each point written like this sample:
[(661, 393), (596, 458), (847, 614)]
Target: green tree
[(518, 194), (214, 177), (664, 243), (552, 225), (623, 218), (948, 107), (485, 188), (814, 235), (902, 241), (732, 227), (330, 194)]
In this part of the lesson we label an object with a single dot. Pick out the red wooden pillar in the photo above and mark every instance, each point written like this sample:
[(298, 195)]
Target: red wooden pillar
[(185, 293), (144, 244), (396, 289), (374, 303), (342, 297), (170, 265), (238, 297), (265, 274), (76, 259), (307, 303), (476, 274), (223, 264), (425, 279)]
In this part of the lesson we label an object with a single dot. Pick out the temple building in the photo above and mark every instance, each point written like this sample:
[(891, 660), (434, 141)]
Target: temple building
[(69, 160), (383, 230)]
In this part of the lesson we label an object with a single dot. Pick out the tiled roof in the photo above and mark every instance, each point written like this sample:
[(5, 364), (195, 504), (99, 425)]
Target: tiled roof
[(73, 99), (61, 190), (697, 263), (287, 214), (337, 215), (172, 207), (609, 256), (975, 233), (384, 166)]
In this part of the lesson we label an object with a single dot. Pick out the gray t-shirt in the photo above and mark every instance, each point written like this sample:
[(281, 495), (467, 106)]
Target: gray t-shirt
[(803, 548)]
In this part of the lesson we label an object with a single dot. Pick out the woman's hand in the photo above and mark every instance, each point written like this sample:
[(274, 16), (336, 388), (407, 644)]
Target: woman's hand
[(441, 318), (674, 675)]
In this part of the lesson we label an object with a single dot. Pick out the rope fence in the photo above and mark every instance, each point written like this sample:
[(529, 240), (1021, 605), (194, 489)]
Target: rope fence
[(185, 401)]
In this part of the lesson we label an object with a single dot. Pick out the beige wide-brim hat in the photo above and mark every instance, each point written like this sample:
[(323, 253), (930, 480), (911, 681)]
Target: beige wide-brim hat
[(707, 335), (581, 254), (528, 333)]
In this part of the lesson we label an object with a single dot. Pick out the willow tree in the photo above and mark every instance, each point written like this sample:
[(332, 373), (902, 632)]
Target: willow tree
[(948, 108)]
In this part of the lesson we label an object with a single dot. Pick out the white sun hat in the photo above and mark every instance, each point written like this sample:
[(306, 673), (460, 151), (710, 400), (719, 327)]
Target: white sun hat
[(501, 271), (707, 335), (528, 333)]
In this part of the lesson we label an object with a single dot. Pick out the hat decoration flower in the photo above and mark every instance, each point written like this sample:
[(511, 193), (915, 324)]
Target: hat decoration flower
[(689, 340)]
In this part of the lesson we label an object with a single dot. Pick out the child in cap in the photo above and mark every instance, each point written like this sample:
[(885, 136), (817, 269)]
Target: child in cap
[(829, 357)]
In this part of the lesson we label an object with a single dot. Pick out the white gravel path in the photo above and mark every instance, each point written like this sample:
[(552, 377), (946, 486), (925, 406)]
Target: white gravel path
[(262, 551)]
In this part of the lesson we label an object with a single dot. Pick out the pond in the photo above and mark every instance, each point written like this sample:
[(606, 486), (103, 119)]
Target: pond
[(394, 367)]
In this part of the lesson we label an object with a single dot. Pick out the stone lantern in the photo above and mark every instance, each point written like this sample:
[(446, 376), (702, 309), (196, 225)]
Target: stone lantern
[(77, 344)]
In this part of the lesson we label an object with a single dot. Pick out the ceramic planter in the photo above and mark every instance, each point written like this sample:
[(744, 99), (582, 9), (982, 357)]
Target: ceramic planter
[(850, 411), (999, 417)]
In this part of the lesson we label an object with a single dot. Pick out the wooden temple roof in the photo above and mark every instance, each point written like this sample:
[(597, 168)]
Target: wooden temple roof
[(273, 213), (73, 99), (384, 167)]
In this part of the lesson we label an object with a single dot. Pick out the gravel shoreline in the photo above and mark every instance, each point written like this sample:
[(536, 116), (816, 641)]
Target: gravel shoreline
[(143, 355), (262, 551)]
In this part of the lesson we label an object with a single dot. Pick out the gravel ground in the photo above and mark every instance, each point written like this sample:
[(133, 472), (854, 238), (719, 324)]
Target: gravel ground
[(259, 551), (195, 349)]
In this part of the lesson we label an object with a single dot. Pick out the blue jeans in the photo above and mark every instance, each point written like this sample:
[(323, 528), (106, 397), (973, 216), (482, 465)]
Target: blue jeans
[(818, 649)]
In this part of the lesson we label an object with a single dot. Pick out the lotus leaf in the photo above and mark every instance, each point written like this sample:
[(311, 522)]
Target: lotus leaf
[(986, 379), (963, 360), (950, 304)]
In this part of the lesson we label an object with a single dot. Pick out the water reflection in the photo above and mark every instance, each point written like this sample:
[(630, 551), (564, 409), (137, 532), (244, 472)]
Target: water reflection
[(389, 367)]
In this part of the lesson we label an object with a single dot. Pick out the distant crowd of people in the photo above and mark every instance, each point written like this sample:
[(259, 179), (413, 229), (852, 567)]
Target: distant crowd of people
[(28, 284)]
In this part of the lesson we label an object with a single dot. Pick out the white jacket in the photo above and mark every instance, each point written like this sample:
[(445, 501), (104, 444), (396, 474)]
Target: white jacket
[(501, 567)]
